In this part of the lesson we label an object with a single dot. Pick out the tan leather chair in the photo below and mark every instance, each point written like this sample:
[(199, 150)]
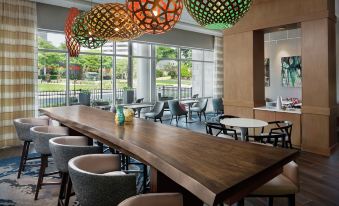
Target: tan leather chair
[(155, 199), (284, 185)]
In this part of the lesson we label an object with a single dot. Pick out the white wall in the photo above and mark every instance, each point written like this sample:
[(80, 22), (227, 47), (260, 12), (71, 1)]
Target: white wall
[(281, 44)]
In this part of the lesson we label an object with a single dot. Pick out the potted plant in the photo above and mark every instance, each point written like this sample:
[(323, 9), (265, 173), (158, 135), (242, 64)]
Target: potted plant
[(85, 97), (128, 95)]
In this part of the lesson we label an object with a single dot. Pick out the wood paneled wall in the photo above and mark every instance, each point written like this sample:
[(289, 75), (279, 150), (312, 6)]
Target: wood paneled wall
[(244, 69)]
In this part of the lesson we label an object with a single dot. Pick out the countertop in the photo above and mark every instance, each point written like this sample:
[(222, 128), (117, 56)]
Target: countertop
[(274, 109)]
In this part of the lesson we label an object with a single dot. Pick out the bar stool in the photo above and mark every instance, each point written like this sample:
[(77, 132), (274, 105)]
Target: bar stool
[(41, 136), (97, 180), (22, 127), (63, 149), (155, 199)]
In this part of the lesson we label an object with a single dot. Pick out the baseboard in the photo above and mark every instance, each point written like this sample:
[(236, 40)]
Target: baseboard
[(319, 150)]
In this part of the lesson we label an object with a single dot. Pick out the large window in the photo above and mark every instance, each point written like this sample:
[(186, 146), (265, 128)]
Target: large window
[(121, 72)]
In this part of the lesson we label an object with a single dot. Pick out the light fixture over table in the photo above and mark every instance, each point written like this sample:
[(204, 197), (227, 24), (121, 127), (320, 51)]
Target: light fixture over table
[(72, 45), (111, 22), (83, 36), (155, 16), (217, 14)]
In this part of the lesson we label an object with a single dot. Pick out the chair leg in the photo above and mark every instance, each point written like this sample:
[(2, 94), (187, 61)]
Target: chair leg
[(22, 159), (186, 118), (204, 115), (160, 120), (270, 201), (26, 155), (145, 176), (171, 119), (64, 177), (199, 114), (241, 202), (44, 160), (291, 200), (68, 191), (177, 119)]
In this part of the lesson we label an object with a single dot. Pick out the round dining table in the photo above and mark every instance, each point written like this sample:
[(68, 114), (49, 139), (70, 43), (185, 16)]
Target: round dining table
[(243, 124)]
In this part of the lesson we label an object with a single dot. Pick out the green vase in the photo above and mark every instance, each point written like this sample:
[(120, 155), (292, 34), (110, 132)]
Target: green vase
[(121, 116)]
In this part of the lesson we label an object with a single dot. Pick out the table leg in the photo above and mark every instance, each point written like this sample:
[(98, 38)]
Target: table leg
[(162, 183), (190, 119), (244, 131), (139, 111)]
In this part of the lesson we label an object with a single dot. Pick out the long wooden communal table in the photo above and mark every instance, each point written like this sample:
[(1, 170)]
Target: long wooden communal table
[(202, 167)]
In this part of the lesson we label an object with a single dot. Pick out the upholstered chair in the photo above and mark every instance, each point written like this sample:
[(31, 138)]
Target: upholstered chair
[(284, 185), (157, 112), (200, 108), (23, 126), (63, 149), (218, 106), (176, 110), (41, 136), (97, 180), (155, 199)]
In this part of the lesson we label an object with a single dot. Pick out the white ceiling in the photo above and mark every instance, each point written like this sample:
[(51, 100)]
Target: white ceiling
[(186, 21)]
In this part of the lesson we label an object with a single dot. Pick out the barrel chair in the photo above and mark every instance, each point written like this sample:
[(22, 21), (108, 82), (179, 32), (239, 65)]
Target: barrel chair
[(200, 108), (176, 111), (63, 149), (97, 180), (284, 185), (155, 199), (41, 136), (23, 126), (156, 112)]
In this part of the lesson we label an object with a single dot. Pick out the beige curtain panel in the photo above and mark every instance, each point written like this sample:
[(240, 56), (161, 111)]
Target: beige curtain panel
[(18, 24)]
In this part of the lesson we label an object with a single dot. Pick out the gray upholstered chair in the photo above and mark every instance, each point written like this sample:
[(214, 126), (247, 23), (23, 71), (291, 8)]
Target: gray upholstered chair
[(23, 126), (176, 110), (97, 180), (41, 136), (155, 199), (63, 149), (218, 106), (284, 185), (157, 112), (200, 108)]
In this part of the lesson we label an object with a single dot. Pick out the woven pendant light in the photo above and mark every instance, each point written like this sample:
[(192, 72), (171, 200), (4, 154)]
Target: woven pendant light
[(72, 45), (155, 16), (111, 22), (83, 36), (217, 14)]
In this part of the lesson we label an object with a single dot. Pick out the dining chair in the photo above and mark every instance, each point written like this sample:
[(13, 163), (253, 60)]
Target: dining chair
[(156, 112), (195, 96), (22, 127), (227, 116), (176, 111), (270, 138), (284, 185), (98, 180), (63, 149), (281, 127), (154, 199), (218, 106), (221, 130), (41, 136), (200, 108), (138, 101)]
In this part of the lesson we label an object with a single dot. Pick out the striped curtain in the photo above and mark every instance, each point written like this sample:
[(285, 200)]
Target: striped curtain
[(218, 86), (18, 24)]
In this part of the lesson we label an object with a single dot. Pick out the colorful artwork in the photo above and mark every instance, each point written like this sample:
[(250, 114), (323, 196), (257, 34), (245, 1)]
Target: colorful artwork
[(291, 73), (267, 72)]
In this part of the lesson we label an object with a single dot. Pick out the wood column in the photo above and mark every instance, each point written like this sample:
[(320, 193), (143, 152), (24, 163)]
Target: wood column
[(244, 73), (319, 86)]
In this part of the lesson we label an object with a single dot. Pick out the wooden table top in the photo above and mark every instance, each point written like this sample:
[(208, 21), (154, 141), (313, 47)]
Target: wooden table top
[(213, 169), (137, 106)]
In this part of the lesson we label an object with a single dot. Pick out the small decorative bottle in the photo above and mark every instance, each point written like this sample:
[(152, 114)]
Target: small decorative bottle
[(119, 117)]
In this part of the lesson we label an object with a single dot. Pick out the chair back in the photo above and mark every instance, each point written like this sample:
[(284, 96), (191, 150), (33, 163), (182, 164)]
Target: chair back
[(218, 104), (158, 109), (203, 104), (42, 134), (195, 96), (154, 199), (226, 116), (97, 180), (175, 108), (67, 147), (23, 126), (139, 100)]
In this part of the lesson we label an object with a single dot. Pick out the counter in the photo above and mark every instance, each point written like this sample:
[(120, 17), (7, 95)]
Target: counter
[(274, 109)]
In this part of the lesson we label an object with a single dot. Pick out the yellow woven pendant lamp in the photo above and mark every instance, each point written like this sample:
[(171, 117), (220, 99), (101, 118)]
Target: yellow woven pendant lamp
[(111, 21)]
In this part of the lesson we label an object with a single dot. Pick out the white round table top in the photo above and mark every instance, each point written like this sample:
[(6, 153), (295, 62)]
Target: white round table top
[(243, 122)]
